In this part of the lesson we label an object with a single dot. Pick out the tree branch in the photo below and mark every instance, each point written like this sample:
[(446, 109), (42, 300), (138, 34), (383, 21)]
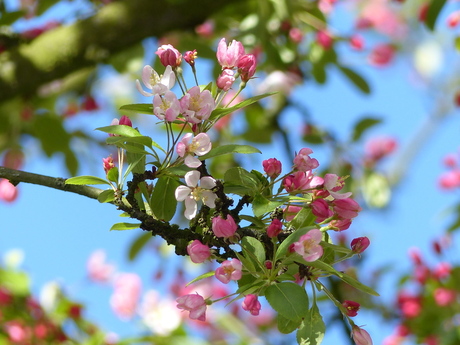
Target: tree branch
[(116, 27), (17, 176)]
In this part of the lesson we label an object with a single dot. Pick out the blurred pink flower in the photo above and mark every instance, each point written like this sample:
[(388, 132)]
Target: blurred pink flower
[(346, 208), (360, 336), (444, 297), (450, 179), (381, 55), (98, 270), (377, 148), (206, 29), (8, 192), (381, 16), (195, 304), (291, 211), (126, 294)]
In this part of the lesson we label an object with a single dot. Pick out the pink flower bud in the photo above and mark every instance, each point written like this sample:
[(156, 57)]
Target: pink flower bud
[(169, 56), (198, 252), (360, 336), (381, 55), (346, 208), (444, 297), (251, 304), (229, 270), (206, 29), (228, 56), (190, 57), (351, 307), (8, 192), (291, 211), (272, 167), (225, 80), (303, 162), (360, 244), (340, 224), (247, 66), (357, 42), (274, 228), (324, 39), (195, 304), (125, 120), (320, 208), (224, 227), (107, 164)]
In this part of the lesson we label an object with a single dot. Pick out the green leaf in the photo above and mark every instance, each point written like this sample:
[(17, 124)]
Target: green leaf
[(83, 180), (9, 18), (137, 245), (362, 126), (143, 108), (163, 202), (125, 226), (303, 218), (434, 9), (112, 175), (253, 250), (202, 276), (288, 299), (262, 205), (231, 148), (376, 190), (255, 221), (123, 130), (294, 237), (356, 79), (240, 181), (122, 141), (457, 43), (286, 326), (106, 196), (16, 282), (357, 285), (312, 328)]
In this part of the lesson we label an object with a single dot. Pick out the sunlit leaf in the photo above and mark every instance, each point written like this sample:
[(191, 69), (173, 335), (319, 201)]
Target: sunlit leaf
[(143, 108), (83, 180), (231, 148), (123, 130), (288, 299), (125, 226), (312, 329), (163, 202), (106, 196)]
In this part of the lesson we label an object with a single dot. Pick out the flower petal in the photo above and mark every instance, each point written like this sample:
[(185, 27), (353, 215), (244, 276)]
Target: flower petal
[(192, 178)]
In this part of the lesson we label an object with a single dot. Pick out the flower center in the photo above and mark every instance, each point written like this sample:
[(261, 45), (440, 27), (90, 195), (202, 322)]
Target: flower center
[(197, 193)]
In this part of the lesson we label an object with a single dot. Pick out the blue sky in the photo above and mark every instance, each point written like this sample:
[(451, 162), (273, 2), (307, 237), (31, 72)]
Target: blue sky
[(58, 230)]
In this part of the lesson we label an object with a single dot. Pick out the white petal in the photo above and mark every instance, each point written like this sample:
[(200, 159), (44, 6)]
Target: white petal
[(192, 162), (209, 198), (207, 182), (190, 208), (182, 192), (192, 178), (139, 88), (336, 195)]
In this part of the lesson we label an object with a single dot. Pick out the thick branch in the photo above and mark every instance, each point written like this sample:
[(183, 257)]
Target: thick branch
[(116, 27), (17, 176)]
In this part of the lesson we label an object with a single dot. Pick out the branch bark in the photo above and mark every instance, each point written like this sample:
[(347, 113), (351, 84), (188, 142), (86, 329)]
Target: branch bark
[(116, 27)]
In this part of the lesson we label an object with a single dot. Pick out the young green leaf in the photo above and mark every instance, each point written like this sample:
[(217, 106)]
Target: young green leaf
[(262, 205), (356, 79), (125, 226), (253, 250), (141, 108), (163, 202), (123, 130), (106, 196), (312, 328), (288, 299), (83, 180), (286, 326), (227, 149), (202, 276)]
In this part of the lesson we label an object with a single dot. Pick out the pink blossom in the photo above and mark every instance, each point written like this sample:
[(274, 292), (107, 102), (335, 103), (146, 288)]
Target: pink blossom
[(340, 224), (229, 270), (360, 336), (251, 304), (206, 29), (449, 160), (97, 268), (291, 211), (153, 81), (297, 182), (107, 164), (274, 228), (409, 305), (193, 193), (379, 147), (200, 145), (380, 15), (320, 208), (6, 297), (198, 252), (224, 227), (303, 162), (169, 55), (272, 167), (324, 39), (279, 81), (247, 66), (190, 57), (442, 270), (8, 192), (346, 208), (125, 120), (360, 244), (296, 35), (444, 297), (228, 56), (308, 245), (167, 106), (333, 184), (352, 307), (381, 55), (127, 290), (197, 105), (13, 159), (17, 332), (195, 304), (450, 180), (225, 79), (357, 42), (453, 19)]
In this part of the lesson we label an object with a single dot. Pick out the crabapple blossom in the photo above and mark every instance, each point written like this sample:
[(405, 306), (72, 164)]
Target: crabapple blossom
[(224, 227), (191, 193), (190, 57), (360, 336), (197, 105), (272, 167), (195, 304), (225, 79), (229, 270), (360, 244), (381, 55), (308, 245), (200, 145), (291, 211), (166, 107), (274, 228), (346, 208), (198, 252), (169, 56), (357, 42), (206, 29), (153, 81), (247, 66), (352, 307), (125, 120), (8, 192), (333, 184), (324, 39), (108, 164), (251, 304), (340, 224), (97, 268), (453, 19), (444, 297), (158, 313), (228, 56), (127, 290), (301, 182), (320, 208), (303, 162), (379, 147)]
